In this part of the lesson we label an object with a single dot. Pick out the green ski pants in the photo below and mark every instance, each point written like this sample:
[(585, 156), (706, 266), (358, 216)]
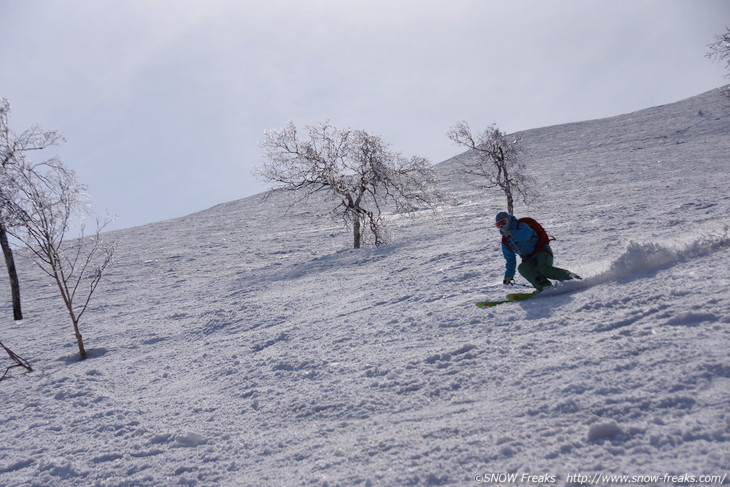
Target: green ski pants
[(540, 268)]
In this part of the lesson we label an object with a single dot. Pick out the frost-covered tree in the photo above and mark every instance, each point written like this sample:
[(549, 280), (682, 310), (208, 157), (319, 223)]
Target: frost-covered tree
[(495, 161), (13, 154), (42, 200), (354, 168), (719, 50)]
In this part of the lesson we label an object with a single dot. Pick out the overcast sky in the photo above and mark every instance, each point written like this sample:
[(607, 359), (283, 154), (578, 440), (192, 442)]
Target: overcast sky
[(164, 102)]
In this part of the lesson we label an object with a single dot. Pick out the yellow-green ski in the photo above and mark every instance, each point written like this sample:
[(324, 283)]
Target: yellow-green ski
[(510, 298), (489, 304)]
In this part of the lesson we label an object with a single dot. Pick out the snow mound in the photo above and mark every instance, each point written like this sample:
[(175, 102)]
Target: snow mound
[(601, 431)]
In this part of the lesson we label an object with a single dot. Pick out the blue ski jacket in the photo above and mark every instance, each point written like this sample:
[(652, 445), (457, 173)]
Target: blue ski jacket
[(522, 243)]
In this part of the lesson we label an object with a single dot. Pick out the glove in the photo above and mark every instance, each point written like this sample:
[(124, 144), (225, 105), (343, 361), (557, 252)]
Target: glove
[(508, 281)]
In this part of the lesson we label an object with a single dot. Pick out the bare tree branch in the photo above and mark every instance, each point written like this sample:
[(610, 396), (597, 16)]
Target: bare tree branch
[(719, 51), (19, 361)]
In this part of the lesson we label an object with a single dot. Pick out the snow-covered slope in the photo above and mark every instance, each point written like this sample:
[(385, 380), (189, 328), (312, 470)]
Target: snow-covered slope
[(243, 346)]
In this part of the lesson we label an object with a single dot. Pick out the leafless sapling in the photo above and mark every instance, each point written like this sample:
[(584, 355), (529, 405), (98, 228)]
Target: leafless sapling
[(47, 198)]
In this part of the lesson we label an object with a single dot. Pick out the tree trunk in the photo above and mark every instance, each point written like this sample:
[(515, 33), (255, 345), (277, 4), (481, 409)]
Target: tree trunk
[(74, 318), (12, 273), (79, 340), (506, 184), (357, 233), (68, 300)]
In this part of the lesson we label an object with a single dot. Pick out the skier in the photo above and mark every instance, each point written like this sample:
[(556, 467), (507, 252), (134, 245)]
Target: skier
[(528, 239)]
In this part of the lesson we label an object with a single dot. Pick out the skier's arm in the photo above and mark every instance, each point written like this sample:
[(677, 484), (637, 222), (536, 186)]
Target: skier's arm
[(511, 259)]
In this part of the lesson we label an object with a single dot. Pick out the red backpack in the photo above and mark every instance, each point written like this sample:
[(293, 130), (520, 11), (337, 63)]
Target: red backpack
[(543, 239)]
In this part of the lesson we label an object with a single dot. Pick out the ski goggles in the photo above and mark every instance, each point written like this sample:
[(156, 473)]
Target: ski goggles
[(502, 222)]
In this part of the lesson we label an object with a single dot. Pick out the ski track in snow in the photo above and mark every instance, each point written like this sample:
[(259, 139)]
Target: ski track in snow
[(242, 346)]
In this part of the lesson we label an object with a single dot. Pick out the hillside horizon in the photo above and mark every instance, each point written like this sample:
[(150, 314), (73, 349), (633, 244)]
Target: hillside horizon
[(535, 133)]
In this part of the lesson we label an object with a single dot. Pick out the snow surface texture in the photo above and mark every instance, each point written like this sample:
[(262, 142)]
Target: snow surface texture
[(243, 346)]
